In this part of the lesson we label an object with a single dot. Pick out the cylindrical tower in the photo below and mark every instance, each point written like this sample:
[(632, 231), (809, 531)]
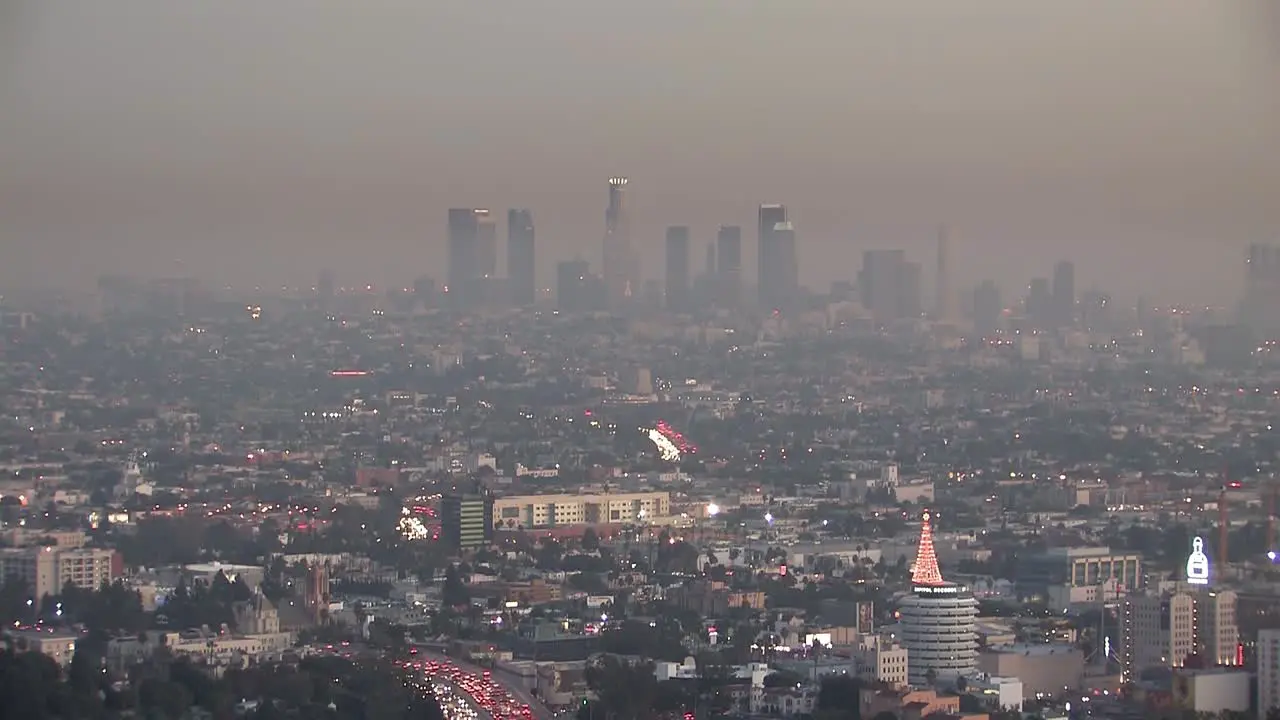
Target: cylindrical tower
[(939, 620), (938, 631)]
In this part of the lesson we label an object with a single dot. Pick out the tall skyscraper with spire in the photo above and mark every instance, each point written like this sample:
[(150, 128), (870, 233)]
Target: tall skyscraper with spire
[(939, 619), (621, 264)]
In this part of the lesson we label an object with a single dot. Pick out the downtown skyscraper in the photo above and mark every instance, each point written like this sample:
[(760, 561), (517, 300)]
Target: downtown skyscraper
[(943, 297), (1063, 294), (889, 285), (727, 278), (521, 258), (473, 253), (678, 286), (777, 269), (621, 263)]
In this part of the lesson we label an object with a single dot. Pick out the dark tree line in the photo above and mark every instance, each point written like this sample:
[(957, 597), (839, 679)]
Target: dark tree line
[(33, 687)]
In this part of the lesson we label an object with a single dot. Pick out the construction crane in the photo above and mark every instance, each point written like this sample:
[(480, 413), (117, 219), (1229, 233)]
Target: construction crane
[(1223, 527)]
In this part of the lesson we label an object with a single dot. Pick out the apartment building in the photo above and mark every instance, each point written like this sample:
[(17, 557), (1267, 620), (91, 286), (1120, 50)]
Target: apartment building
[(46, 570), (546, 511)]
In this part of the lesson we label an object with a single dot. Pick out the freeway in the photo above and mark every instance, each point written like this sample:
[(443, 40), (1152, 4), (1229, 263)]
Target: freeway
[(487, 695), (505, 683), (515, 686), (454, 702)]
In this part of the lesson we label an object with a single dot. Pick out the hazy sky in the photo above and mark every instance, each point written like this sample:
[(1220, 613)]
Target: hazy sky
[(256, 141)]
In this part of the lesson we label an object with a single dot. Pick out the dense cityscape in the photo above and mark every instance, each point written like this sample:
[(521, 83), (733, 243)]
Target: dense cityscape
[(613, 496)]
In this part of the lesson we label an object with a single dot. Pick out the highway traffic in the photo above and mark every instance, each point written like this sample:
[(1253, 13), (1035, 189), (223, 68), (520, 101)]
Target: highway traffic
[(478, 695)]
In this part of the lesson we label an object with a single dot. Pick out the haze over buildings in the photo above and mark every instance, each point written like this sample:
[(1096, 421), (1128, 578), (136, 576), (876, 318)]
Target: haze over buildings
[(138, 142)]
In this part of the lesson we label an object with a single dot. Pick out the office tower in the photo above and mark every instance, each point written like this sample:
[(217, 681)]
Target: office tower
[(878, 281), (987, 309), (772, 265), (728, 272), (943, 301), (1268, 671), (1039, 304), (677, 279), (621, 267), (704, 285), (1064, 294), (1261, 302), (784, 277), (473, 253), (1095, 311), (1166, 630), (466, 521), (939, 620), (486, 245), (909, 292), (462, 253), (521, 262), (1218, 632), (889, 286)]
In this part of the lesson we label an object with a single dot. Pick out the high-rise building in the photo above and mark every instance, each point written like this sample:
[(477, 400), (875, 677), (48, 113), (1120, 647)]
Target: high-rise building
[(678, 287), (785, 289), (486, 244), (521, 260), (1167, 630), (987, 309), (1260, 306), (939, 620), (46, 570), (776, 269), (889, 285), (943, 299), (1095, 311), (909, 291), (473, 252), (1219, 633), (1064, 294), (1039, 304), (728, 270), (462, 248), (466, 521), (621, 267), (1268, 655)]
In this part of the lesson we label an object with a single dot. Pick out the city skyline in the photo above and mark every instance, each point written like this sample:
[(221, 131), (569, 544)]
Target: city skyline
[(233, 165)]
